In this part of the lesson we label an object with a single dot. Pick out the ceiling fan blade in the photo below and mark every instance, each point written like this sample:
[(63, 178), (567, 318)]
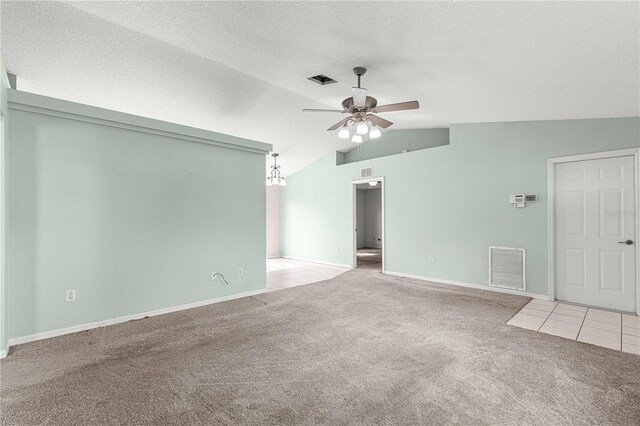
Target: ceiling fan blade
[(401, 106), (359, 97), (322, 110), (379, 121), (339, 124)]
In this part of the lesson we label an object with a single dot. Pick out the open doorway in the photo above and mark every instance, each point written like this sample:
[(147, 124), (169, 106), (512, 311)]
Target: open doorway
[(368, 218)]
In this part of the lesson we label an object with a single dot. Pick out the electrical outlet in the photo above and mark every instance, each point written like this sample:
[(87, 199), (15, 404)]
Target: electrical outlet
[(240, 272), (70, 296), (431, 260)]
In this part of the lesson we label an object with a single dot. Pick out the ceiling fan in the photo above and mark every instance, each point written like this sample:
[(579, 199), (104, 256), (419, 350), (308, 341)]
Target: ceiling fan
[(360, 107)]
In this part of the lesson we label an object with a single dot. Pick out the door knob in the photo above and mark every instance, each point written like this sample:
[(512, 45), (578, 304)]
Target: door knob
[(627, 242)]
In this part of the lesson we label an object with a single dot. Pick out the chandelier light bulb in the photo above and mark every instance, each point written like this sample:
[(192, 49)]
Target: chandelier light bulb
[(356, 138), (362, 128)]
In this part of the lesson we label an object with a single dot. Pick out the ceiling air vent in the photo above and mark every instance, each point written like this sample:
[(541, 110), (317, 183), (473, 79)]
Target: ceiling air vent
[(367, 172), (322, 79)]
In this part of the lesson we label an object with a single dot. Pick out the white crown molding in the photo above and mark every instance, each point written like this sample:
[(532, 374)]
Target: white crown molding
[(30, 102)]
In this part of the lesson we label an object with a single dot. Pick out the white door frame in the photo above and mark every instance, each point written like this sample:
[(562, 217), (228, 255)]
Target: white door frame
[(354, 237), (551, 180)]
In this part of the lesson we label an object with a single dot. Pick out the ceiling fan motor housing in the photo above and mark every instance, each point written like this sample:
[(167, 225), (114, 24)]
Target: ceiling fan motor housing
[(349, 106)]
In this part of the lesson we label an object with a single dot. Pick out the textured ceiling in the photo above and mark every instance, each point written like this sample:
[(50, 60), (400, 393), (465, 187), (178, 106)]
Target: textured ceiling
[(241, 67)]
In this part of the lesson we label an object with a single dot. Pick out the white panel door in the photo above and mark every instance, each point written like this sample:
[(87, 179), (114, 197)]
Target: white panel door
[(595, 231)]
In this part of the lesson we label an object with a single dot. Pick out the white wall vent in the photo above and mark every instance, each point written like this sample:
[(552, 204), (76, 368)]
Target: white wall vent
[(507, 268), (367, 172)]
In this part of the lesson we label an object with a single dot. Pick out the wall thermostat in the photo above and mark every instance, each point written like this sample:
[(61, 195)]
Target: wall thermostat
[(517, 200), (521, 200)]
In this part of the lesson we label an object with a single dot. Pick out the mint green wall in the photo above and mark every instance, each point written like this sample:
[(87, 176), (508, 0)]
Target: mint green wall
[(395, 141), (133, 221), (4, 87), (449, 202)]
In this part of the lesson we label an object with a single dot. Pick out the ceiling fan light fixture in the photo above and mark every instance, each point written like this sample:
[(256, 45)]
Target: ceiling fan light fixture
[(374, 132), (356, 138), (344, 132), (362, 128)]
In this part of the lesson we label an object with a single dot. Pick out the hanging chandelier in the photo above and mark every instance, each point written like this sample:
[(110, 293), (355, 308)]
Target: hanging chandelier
[(274, 178)]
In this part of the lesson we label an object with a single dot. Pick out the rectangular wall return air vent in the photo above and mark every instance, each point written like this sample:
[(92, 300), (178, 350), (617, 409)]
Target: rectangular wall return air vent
[(322, 79), (367, 172), (507, 268)]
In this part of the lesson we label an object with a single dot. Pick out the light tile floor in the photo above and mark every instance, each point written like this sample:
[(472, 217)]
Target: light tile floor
[(603, 328), (285, 273)]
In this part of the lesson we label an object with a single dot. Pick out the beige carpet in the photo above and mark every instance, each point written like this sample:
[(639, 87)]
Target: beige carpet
[(362, 348)]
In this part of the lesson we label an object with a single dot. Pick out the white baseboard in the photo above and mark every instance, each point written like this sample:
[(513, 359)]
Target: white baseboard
[(274, 257), (469, 285), (341, 265), (4, 352), (113, 321)]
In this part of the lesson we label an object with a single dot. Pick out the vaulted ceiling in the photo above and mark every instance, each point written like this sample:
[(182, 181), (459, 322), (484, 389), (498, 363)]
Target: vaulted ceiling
[(241, 67)]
